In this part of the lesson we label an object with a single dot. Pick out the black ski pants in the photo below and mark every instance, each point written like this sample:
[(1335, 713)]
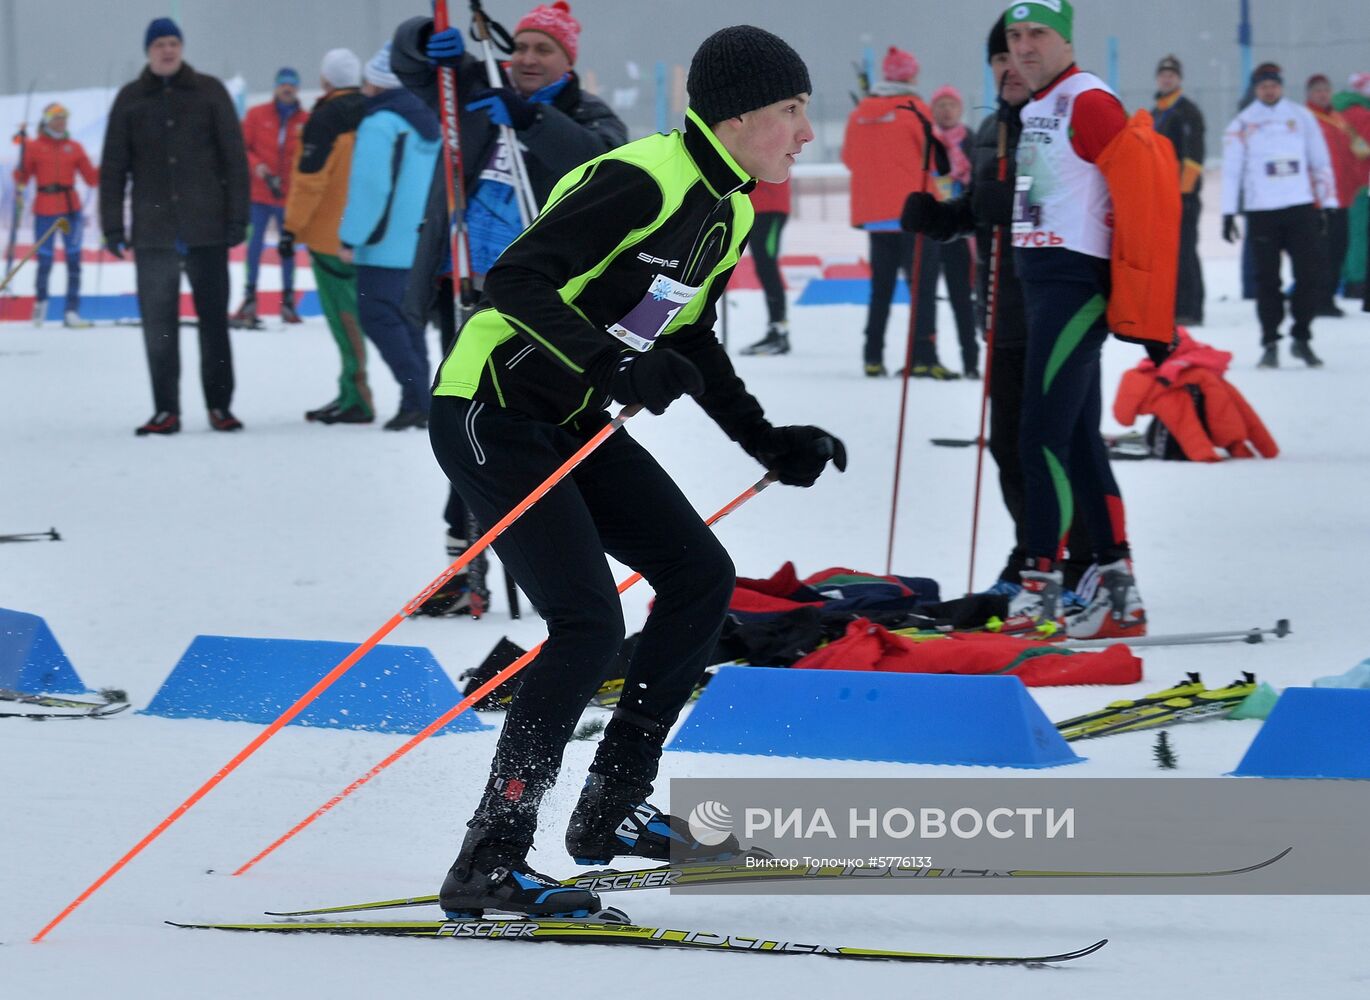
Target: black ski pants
[(765, 247), (618, 501), (1064, 457), (1337, 241), (892, 255), (1189, 289), (1297, 231), (159, 305), (958, 273)]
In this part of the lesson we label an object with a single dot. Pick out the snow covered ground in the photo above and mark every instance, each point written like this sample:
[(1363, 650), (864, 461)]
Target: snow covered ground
[(297, 530)]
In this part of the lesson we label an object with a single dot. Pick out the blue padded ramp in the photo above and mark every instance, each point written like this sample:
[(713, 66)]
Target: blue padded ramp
[(1313, 733), (869, 715), (393, 689), (30, 658)]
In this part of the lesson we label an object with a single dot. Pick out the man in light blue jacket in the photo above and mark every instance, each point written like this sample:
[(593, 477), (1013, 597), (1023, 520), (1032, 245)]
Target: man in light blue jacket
[(392, 163)]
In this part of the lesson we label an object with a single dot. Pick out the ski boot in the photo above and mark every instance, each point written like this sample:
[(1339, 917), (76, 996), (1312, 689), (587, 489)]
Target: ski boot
[(405, 419), (246, 317), (71, 319), (776, 341), (223, 420), (614, 819), (40, 311), (1037, 607), (463, 595), (288, 313), (1114, 610), (162, 422), (1303, 350), (1270, 357), (875, 370), (495, 875), (934, 371)]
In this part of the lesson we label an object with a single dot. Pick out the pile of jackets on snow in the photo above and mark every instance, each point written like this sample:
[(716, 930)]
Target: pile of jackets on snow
[(842, 619), (1198, 415)]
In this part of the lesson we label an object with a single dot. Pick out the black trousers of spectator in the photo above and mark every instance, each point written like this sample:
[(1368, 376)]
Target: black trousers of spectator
[(618, 501), (765, 247), (892, 255), (958, 272), (1189, 290), (1297, 231), (1338, 239), (1008, 369), (159, 304)]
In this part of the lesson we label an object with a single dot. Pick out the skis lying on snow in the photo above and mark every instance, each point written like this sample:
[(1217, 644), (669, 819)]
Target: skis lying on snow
[(626, 934), (1189, 701), (1249, 635), (50, 706), (677, 876)]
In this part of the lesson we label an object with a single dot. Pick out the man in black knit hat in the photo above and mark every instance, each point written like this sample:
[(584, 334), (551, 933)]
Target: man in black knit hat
[(609, 297)]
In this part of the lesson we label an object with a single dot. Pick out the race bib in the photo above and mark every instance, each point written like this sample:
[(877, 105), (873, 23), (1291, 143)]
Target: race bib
[(1025, 215), (664, 299), (1281, 168)]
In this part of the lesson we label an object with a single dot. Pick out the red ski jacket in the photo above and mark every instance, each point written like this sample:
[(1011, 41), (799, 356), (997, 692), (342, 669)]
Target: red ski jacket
[(54, 164), (771, 197), (270, 143)]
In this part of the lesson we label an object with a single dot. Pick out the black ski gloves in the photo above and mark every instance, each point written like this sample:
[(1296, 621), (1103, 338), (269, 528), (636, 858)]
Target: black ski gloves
[(285, 244), (656, 379), (796, 454), (923, 213), (1230, 233), (116, 242)]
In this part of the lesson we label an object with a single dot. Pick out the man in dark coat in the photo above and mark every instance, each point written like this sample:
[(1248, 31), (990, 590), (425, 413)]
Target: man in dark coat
[(558, 127), (1180, 120), (174, 134)]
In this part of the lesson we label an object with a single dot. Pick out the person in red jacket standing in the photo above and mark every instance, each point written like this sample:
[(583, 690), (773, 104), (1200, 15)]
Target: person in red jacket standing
[(883, 149), (53, 160), (1351, 167), (771, 202), (271, 133)]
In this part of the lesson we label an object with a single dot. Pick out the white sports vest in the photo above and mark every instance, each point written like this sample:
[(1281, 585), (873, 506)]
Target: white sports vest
[(1061, 200)]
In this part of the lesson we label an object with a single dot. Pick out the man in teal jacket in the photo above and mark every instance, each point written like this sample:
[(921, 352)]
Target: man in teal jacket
[(609, 296), (392, 164)]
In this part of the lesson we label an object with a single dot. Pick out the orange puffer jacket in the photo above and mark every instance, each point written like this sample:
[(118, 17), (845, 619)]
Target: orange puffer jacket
[(1168, 393)]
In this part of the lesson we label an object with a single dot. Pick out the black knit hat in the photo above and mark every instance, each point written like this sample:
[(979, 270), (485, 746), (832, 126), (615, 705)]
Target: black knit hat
[(740, 69), (998, 40), (1172, 64)]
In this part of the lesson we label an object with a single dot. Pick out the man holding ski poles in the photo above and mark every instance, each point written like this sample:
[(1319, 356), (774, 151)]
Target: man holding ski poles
[(555, 125), (610, 297)]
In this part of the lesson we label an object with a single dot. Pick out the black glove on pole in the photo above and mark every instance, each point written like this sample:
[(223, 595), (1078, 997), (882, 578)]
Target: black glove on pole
[(655, 379)]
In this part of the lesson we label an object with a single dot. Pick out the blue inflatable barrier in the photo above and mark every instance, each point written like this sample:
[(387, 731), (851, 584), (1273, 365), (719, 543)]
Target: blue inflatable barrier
[(867, 715), (393, 689), (30, 658), (1313, 733)]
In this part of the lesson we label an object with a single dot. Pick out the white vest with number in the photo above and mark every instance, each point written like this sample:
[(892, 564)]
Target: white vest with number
[(1061, 199)]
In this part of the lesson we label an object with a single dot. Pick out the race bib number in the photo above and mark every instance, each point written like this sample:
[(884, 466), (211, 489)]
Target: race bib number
[(664, 299), (1281, 168), (1025, 215)]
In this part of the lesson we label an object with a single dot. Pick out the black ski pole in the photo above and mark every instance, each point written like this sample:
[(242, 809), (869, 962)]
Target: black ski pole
[(50, 535)]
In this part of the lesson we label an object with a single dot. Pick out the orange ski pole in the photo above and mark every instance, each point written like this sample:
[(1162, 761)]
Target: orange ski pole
[(465, 703), (327, 680)]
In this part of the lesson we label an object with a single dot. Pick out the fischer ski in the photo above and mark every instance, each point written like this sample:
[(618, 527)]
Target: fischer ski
[(48, 706), (630, 935), (680, 876), (1191, 685), (1206, 704)]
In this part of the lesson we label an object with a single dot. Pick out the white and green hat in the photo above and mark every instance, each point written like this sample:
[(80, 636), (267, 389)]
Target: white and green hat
[(1055, 14)]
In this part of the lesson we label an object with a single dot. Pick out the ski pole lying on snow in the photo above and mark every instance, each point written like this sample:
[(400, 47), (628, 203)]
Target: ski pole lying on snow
[(50, 535), (61, 224), (327, 680), (471, 699), (1249, 635)]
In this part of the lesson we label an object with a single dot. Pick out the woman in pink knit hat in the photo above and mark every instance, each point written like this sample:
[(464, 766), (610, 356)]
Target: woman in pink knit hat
[(947, 108)]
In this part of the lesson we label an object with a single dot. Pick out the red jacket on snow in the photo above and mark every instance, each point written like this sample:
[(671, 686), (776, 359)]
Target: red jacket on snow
[(54, 163), (276, 146), (1165, 392)]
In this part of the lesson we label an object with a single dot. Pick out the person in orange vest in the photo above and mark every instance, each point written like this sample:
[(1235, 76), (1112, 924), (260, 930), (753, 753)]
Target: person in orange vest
[(53, 159), (883, 149), (271, 133)]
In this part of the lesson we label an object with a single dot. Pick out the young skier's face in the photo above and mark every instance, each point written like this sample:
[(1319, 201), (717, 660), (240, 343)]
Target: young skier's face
[(164, 55), (537, 62), (1040, 53), (1007, 79), (766, 141)]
